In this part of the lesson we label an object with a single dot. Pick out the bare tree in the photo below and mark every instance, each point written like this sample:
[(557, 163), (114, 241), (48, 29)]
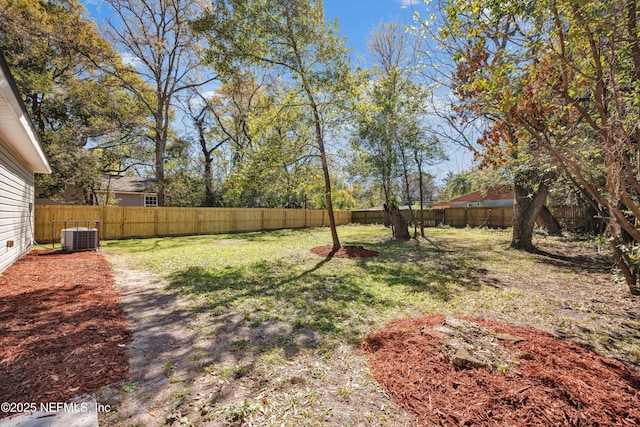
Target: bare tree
[(157, 43)]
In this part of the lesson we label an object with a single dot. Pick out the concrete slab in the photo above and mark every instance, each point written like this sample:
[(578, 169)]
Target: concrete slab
[(81, 411)]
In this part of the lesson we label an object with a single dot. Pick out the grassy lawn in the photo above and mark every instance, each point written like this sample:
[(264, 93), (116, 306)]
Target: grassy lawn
[(292, 310)]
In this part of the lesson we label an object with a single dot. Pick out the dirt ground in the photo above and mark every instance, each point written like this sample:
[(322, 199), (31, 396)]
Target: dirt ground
[(344, 252)]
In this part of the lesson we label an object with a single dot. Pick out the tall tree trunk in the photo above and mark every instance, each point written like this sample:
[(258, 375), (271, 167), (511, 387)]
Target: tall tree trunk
[(525, 211), (327, 195), (160, 150), (327, 180), (36, 108), (325, 166), (548, 221), (209, 196), (405, 171), (321, 148), (160, 141), (421, 188)]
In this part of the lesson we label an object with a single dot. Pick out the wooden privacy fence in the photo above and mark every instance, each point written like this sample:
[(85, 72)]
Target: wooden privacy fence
[(493, 217), (123, 222)]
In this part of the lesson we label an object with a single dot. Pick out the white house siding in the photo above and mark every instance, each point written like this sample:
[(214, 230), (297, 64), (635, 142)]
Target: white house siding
[(16, 207)]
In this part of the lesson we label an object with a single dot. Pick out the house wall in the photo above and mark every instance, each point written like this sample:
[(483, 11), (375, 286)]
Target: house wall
[(16, 207), (130, 199)]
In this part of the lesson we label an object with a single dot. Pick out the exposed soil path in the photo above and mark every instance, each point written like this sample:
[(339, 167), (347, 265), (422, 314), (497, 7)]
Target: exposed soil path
[(188, 369), (161, 338)]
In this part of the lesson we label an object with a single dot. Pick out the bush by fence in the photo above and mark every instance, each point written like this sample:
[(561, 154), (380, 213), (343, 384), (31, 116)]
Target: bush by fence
[(123, 222)]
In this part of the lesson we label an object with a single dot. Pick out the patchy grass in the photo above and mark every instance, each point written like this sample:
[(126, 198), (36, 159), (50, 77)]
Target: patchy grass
[(281, 323)]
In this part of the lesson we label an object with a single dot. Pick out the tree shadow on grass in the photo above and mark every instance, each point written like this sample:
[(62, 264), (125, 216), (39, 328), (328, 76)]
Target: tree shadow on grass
[(580, 262), (439, 270), (276, 305)]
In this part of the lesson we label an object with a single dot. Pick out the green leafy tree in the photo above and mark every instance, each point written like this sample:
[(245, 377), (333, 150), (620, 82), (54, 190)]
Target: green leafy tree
[(88, 123), (564, 77), (292, 38), (184, 183), (279, 168), (459, 184), (390, 129)]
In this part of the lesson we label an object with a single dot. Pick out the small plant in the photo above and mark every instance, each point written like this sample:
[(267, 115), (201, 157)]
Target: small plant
[(180, 394), (129, 387), (238, 413), (168, 368), (176, 417), (230, 371), (344, 392), (242, 344), (503, 368), (196, 357), (273, 356)]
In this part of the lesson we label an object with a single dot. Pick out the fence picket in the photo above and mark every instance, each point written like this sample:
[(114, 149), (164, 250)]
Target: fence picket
[(123, 222)]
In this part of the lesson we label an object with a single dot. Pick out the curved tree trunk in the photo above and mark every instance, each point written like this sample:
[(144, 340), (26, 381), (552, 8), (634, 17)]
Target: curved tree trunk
[(547, 220), (622, 258), (526, 209), (399, 225)]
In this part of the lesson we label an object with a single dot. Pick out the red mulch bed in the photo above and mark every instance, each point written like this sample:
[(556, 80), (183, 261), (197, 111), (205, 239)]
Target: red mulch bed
[(558, 383), (63, 333), (344, 252)]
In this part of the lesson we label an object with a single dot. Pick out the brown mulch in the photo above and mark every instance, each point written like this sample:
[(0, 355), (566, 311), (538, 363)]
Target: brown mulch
[(344, 252), (63, 333), (555, 382)]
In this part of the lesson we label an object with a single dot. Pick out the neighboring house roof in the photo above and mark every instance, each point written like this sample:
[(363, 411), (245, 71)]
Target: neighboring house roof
[(381, 208), (497, 193), (441, 205), (126, 184), (17, 129)]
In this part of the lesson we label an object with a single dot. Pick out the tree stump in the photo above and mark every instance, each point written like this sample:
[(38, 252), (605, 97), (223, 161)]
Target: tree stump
[(469, 345)]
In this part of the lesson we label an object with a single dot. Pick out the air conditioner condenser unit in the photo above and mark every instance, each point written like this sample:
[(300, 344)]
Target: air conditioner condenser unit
[(79, 239)]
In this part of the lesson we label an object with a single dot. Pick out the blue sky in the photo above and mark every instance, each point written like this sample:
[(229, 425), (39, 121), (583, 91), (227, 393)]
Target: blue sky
[(357, 19)]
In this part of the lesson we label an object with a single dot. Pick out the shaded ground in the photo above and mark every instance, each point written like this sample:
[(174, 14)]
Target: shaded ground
[(63, 332), (277, 330), (551, 381), (189, 370)]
